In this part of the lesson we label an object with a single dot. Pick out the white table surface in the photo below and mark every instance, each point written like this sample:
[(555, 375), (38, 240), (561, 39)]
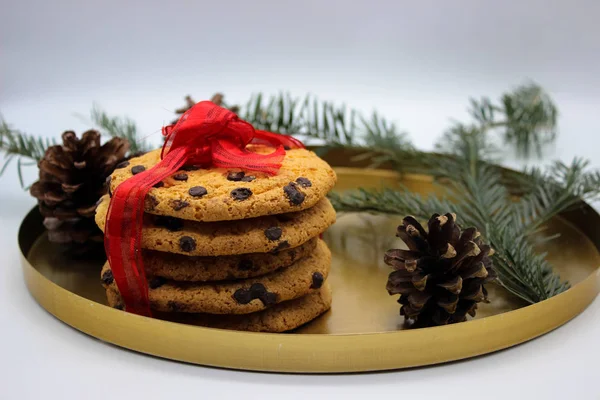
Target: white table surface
[(416, 62)]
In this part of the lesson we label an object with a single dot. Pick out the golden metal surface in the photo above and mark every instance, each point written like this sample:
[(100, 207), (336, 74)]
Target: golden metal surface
[(362, 332)]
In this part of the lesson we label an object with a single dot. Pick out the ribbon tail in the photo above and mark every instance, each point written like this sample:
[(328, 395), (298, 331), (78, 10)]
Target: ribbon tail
[(167, 132), (123, 231), (226, 154), (276, 139)]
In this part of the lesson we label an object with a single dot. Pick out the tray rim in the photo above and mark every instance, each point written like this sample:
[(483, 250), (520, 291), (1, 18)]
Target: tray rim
[(304, 353)]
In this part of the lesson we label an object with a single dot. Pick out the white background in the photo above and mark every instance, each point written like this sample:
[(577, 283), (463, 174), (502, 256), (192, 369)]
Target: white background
[(415, 62)]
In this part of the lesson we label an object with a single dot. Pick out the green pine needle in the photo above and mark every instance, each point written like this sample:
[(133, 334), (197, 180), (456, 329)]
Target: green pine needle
[(122, 127), (525, 118), (558, 188), (389, 201), (16, 145), (326, 123)]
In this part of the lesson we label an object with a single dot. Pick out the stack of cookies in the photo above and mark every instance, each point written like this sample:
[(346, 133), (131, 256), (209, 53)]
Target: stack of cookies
[(234, 249)]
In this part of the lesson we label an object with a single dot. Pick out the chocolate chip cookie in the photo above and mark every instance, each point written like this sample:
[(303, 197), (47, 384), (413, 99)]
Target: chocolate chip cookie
[(279, 318), (219, 194), (178, 267), (236, 297), (273, 233)]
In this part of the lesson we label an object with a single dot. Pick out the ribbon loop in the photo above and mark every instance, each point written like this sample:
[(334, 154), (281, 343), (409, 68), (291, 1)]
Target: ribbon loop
[(205, 135)]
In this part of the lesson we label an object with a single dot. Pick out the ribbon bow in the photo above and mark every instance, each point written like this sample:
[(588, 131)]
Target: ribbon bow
[(206, 135)]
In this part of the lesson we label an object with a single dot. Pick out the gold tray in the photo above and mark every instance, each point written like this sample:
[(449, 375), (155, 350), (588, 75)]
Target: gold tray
[(362, 332)]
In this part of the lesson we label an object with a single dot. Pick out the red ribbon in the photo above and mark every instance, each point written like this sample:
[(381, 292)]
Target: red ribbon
[(206, 135)]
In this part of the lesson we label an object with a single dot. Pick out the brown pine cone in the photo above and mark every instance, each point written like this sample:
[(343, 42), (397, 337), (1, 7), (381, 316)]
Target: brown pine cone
[(441, 277), (217, 98), (72, 179)]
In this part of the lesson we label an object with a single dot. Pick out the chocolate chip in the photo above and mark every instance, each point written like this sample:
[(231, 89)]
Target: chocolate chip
[(187, 243), (174, 306), (190, 168), (248, 178), (159, 184), (269, 298), (256, 291), (137, 169), (280, 246), (150, 202), (119, 306), (245, 265), (241, 194), (235, 176), (182, 176), (179, 204), (171, 223), (273, 233), (317, 280), (292, 254), (122, 164), (197, 191), (243, 296), (156, 282), (304, 182), (295, 196), (107, 277)]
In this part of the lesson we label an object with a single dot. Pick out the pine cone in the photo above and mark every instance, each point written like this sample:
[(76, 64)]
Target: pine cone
[(189, 103), (72, 179), (217, 98), (441, 277)]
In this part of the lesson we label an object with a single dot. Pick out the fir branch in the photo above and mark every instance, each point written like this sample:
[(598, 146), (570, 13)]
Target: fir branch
[(122, 127), (17, 143), (468, 141), (553, 190), (18, 146), (281, 113), (523, 271), (486, 203), (389, 201), (526, 118), (329, 124)]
